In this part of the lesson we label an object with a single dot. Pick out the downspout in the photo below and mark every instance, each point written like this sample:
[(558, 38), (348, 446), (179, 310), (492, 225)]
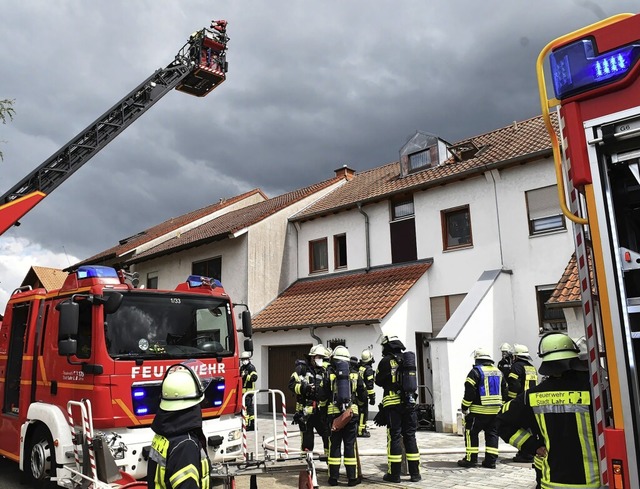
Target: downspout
[(366, 236), (314, 335), (495, 197)]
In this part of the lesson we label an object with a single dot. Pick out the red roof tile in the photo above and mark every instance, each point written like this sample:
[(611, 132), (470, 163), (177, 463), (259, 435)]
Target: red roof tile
[(567, 291), (516, 142), (349, 298), (234, 221)]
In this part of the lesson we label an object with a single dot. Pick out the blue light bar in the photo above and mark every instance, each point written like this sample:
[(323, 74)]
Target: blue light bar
[(217, 403), (139, 393), (575, 68), (96, 271), (142, 410), (197, 281), (220, 387)]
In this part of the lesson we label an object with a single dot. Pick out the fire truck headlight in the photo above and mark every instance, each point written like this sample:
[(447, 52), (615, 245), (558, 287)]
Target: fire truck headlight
[(234, 435)]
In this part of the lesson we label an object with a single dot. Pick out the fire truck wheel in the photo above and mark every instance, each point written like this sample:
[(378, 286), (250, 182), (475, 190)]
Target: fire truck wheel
[(40, 458)]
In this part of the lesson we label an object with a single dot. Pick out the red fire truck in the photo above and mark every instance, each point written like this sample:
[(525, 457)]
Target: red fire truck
[(596, 79), (100, 339)]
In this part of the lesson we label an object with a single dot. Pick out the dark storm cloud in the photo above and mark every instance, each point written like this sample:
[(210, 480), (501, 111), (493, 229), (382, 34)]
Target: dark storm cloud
[(311, 86)]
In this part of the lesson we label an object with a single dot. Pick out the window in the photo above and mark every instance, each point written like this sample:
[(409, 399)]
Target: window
[(543, 210), (318, 258), (152, 280), (211, 268), (423, 159), (549, 318), (403, 230), (442, 308), (456, 228), (340, 251)]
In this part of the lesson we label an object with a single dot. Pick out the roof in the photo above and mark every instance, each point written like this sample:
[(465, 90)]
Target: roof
[(516, 143), (49, 278), (341, 299), (567, 291), (128, 244), (231, 222)]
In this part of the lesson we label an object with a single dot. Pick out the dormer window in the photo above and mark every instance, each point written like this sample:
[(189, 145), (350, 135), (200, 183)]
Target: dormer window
[(421, 152)]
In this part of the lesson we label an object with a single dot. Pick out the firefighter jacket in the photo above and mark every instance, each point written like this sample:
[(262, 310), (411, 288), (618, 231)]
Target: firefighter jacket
[(306, 382), (178, 457), (387, 375), (556, 414), (521, 378), (249, 377), (505, 367), (367, 374), (330, 392), (483, 389)]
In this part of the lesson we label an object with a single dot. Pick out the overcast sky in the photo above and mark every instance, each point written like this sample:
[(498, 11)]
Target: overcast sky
[(311, 86)]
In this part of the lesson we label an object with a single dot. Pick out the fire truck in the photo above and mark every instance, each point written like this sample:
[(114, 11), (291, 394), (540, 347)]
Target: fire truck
[(595, 73), (101, 343)]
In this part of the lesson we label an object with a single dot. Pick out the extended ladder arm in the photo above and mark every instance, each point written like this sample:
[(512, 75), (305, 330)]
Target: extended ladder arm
[(198, 68)]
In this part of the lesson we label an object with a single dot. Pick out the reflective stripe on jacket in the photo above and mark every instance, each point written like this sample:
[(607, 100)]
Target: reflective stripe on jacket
[(176, 463)]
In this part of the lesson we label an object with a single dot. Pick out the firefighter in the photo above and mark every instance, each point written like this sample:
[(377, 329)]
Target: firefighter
[(483, 400), (178, 455), (367, 374), (522, 376), (504, 364), (249, 378), (343, 389), (554, 419), (306, 382), (398, 413)]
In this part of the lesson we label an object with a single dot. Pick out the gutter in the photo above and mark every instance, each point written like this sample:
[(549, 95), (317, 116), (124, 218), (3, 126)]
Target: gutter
[(366, 236)]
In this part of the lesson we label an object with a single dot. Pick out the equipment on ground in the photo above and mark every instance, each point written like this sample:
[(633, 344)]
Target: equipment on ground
[(595, 72), (199, 67)]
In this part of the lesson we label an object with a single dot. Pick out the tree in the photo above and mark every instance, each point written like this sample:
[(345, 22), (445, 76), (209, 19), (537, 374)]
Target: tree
[(6, 113)]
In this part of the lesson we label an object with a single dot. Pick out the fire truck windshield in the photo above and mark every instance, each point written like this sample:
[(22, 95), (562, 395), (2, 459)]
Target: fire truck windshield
[(151, 325)]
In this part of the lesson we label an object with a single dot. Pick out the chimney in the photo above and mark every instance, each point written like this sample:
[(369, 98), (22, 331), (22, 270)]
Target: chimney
[(345, 172)]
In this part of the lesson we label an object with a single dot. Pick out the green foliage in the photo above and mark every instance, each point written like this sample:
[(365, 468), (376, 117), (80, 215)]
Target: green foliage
[(6, 113)]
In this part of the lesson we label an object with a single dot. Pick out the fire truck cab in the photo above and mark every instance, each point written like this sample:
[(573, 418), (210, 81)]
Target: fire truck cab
[(98, 338)]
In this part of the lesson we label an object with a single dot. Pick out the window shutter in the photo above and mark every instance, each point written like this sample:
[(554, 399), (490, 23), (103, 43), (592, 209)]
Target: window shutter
[(438, 314), (543, 202)]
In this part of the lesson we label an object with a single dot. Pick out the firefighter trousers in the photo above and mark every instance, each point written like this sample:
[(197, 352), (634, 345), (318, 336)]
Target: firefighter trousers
[(346, 437), (315, 423), (363, 417), (402, 423), (473, 425)]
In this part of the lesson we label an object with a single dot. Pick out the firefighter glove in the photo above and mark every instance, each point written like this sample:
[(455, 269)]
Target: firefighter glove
[(372, 400)]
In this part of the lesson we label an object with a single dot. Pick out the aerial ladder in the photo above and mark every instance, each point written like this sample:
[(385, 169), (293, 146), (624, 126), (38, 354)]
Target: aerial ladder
[(199, 67)]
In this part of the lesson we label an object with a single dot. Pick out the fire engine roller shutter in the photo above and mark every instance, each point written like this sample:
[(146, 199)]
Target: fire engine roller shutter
[(282, 361)]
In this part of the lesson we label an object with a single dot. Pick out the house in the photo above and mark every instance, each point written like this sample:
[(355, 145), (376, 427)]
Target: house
[(475, 229)]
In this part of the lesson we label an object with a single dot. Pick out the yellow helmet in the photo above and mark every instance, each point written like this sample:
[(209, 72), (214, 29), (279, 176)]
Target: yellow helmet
[(341, 353), (181, 388), (557, 346), (366, 356)]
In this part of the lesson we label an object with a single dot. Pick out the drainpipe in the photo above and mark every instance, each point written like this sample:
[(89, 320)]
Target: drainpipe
[(366, 236), (314, 335), (495, 197)]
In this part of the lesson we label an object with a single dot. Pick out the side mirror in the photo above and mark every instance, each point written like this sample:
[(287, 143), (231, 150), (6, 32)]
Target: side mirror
[(67, 347), (68, 320), (247, 329), (248, 344), (113, 302)]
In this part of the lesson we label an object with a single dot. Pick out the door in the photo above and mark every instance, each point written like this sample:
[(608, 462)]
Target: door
[(282, 361), (19, 317)]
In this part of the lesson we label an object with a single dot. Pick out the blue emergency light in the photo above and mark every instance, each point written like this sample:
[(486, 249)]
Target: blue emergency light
[(576, 68), (96, 271), (197, 281)]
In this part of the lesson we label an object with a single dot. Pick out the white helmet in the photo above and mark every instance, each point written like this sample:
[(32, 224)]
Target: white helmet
[(366, 356), (341, 353), (246, 355), (521, 351), (181, 388), (482, 354), (317, 351), (387, 338), (506, 347)]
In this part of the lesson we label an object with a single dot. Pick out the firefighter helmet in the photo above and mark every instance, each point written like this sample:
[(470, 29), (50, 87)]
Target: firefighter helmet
[(482, 354), (328, 352), (317, 351), (506, 347), (387, 339), (341, 353), (246, 355), (366, 356), (181, 388), (521, 351), (557, 346)]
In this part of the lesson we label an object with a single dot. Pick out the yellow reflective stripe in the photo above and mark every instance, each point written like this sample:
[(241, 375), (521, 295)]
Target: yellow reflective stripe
[(349, 461), (188, 472), (471, 381), (544, 465), (204, 463), (466, 403), (491, 450), (413, 456), (512, 395), (477, 409), (589, 455), (334, 460), (513, 375), (394, 458), (519, 437)]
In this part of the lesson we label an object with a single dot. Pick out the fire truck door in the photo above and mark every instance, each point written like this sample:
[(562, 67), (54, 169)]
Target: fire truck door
[(19, 318)]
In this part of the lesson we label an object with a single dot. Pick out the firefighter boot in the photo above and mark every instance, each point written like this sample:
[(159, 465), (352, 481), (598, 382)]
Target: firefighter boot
[(414, 470), (468, 463), (393, 475)]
